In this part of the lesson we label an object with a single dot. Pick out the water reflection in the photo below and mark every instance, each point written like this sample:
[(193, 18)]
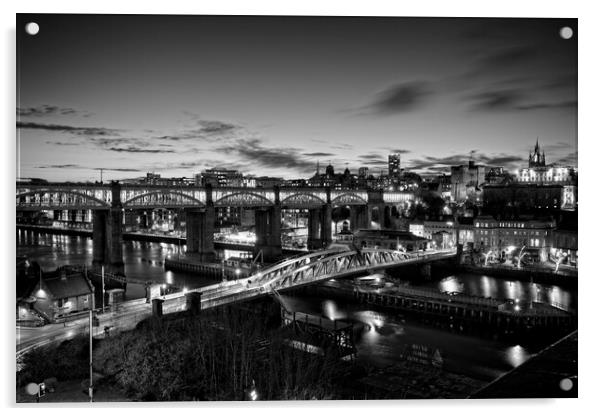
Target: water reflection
[(488, 286), (142, 260), (386, 337)]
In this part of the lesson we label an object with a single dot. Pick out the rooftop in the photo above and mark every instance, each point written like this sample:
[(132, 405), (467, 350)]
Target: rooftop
[(70, 286)]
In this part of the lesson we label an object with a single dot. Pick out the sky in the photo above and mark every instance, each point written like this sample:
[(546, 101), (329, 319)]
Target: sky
[(276, 95)]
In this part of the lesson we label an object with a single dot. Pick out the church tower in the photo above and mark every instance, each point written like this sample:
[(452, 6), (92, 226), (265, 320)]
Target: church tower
[(537, 158)]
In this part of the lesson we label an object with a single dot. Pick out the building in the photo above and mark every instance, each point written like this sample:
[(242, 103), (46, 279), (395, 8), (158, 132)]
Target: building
[(333, 180), (156, 179), (394, 165), (528, 197), (565, 240), (498, 176), (363, 172), (390, 239), (503, 237), (63, 295), (218, 177), (268, 181), (466, 182), (539, 173)]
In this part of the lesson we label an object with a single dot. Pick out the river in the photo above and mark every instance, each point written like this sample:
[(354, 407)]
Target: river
[(389, 334)]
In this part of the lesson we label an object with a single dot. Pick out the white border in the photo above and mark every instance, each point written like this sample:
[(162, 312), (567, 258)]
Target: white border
[(590, 71)]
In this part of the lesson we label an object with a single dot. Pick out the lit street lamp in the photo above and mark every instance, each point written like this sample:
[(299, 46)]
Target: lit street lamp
[(520, 256)]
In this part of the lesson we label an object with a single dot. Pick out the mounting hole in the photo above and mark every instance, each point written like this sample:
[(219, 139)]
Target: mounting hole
[(566, 384), (32, 28), (566, 32)]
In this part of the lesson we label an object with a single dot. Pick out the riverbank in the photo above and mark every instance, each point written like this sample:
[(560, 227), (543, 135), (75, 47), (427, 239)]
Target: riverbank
[(150, 238), (526, 274)]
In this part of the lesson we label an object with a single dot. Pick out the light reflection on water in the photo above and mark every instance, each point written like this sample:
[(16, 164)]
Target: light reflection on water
[(142, 260), (494, 287), (386, 337)]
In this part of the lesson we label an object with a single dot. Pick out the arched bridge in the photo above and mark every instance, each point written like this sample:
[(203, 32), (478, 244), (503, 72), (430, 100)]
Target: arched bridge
[(304, 270), (66, 196)]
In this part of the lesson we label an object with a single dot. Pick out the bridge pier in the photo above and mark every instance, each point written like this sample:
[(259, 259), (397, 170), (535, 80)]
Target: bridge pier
[(313, 229), (319, 227), (200, 226), (107, 239), (358, 218), (380, 215), (268, 224)]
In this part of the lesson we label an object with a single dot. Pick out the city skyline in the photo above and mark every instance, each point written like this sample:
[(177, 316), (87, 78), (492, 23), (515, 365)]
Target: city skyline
[(274, 95)]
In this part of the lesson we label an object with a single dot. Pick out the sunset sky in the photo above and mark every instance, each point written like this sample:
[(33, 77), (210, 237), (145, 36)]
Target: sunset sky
[(273, 95)]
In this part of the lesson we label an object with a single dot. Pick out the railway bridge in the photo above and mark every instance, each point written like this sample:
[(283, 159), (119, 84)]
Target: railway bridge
[(108, 203)]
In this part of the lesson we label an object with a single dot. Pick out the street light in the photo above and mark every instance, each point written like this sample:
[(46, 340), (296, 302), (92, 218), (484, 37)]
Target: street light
[(251, 392), (520, 256)]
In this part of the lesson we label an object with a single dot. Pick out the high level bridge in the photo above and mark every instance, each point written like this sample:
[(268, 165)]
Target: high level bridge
[(107, 204)]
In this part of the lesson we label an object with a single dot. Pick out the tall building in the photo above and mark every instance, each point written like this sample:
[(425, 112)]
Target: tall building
[(394, 165), (362, 173)]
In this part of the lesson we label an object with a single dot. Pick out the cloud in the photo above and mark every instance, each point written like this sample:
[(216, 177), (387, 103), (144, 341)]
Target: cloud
[(570, 159), (541, 106), (75, 166), (511, 99), (134, 149), (399, 98), (119, 169), (446, 162), (215, 126), (50, 110), (62, 143), (496, 100), (87, 131), (319, 154), (65, 166), (400, 151), (254, 151), (506, 57)]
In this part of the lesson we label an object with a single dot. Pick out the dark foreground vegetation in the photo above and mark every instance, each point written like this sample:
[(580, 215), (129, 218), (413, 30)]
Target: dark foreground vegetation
[(217, 355)]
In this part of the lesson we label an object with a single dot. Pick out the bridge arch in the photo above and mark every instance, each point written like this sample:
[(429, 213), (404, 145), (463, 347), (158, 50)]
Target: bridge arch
[(243, 199), (164, 199), (302, 199), (60, 193), (349, 198)]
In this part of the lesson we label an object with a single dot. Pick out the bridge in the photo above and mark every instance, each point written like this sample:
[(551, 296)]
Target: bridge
[(288, 274), (108, 205), (299, 271)]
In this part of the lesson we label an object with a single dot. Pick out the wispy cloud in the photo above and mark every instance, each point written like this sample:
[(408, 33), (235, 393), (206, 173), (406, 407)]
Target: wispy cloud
[(86, 131), (134, 149), (399, 98), (496, 100), (50, 110), (319, 154), (254, 151), (76, 166)]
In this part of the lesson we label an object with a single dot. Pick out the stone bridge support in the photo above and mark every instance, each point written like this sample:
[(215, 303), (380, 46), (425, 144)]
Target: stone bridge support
[(358, 218), (200, 226), (107, 241), (377, 215), (268, 224), (319, 227)]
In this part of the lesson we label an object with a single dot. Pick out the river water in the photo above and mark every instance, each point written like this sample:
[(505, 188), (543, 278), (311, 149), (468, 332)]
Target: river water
[(387, 335)]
